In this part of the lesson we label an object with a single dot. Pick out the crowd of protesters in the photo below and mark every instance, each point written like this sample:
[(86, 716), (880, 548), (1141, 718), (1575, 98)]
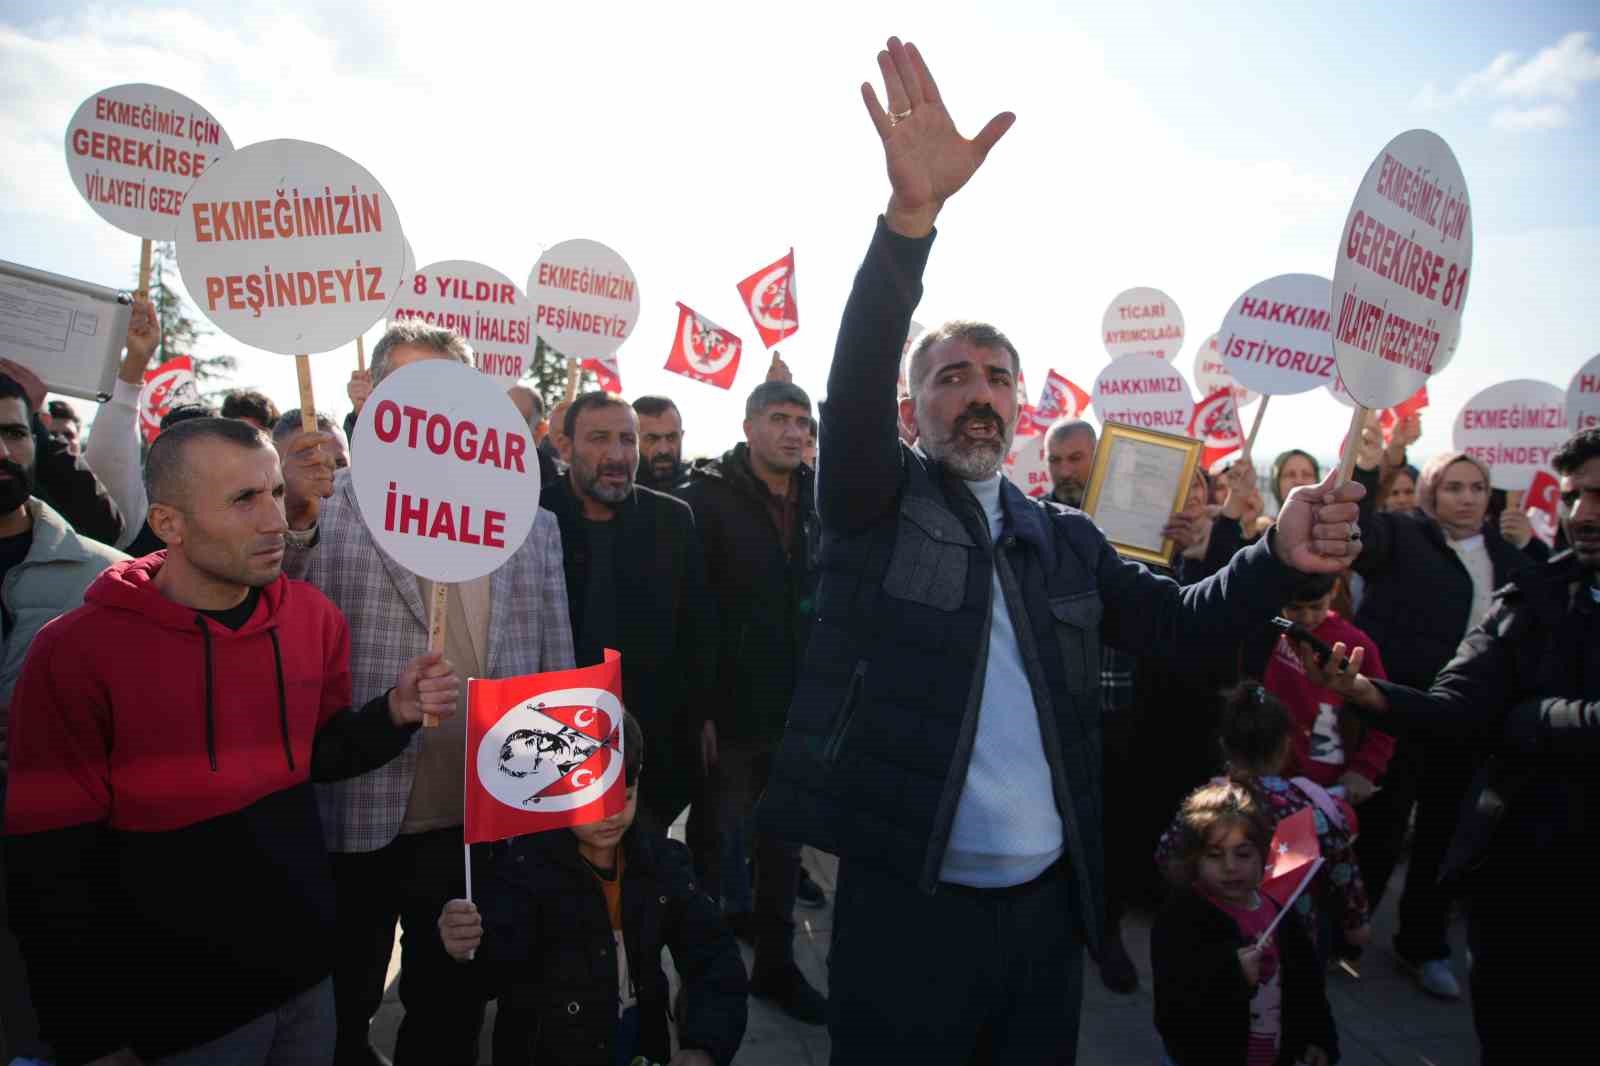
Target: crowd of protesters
[(219, 808)]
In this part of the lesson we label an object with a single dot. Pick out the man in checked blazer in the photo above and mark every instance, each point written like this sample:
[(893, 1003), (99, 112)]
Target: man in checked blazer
[(395, 834)]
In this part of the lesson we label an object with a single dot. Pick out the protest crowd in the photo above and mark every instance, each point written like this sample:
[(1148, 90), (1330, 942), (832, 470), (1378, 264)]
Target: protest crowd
[(237, 754)]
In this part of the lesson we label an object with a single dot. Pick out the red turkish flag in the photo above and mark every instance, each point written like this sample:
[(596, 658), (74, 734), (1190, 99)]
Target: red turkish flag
[(1059, 399), (769, 297), (1216, 421), (703, 350), (1543, 506), (606, 372), (544, 751), (1410, 406), (172, 384), (1293, 858)]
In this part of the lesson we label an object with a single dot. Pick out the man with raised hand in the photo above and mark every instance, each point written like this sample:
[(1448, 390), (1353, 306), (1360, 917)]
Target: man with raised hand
[(945, 737), (167, 877)]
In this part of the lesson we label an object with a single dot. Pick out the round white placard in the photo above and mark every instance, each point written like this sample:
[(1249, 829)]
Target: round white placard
[(585, 299), (1514, 427), (448, 482), (1211, 374), (134, 151), (1275, 337), (1142, 321), (291, 247), (482, 305), (1401, 278), (1143, 391), (1583, 397)]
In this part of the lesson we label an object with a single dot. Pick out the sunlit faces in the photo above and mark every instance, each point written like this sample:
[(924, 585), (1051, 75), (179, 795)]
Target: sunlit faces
[(1312, 613), (230, 524), (661, 443), (16, 455), (1297, 470), (965, 408), (1462, 498), (1071, 458), (603, 451), (1580, 507), (1402, 494), (777, 437), (1230, 866)]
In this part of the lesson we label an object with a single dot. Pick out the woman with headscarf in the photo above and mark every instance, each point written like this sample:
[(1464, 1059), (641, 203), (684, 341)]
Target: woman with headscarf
[(1430, 575)]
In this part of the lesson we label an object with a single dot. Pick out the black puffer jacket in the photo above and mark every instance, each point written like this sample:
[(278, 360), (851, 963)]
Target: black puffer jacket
[(764, 591), (548, 952), (1418, 595)]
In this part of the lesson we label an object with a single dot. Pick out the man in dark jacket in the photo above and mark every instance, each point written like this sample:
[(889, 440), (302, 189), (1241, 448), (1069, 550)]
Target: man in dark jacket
[(757, 520), (1525, 687), (62, 478), (163, 846), (660, 443), (945, 736), (636, 582)]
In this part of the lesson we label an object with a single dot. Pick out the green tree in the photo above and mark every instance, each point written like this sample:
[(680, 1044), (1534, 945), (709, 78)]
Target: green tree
[(548, 376), (180, 327)]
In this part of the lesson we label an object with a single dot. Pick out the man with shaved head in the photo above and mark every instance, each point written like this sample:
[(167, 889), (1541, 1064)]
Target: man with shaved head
[(164, 741)]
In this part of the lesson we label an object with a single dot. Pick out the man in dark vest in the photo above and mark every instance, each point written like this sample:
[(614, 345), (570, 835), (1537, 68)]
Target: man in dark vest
[(944, 738)]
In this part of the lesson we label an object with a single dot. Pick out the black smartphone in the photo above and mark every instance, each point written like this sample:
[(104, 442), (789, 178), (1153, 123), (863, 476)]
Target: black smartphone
[(1299, 634)]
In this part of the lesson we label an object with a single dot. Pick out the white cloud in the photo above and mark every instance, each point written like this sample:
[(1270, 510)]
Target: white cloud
[(1553, 76), (1544, 117)]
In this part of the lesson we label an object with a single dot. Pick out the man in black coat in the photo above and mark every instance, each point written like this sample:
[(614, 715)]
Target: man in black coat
[(945, 736), (1525, 688), (636, 582), (754, 507)]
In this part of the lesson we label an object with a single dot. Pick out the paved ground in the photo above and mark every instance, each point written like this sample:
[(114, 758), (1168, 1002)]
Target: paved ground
[(1384, 1019)]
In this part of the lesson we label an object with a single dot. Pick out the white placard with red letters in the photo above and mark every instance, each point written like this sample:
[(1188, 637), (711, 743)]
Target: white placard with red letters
[(482, 305), (585, 299), (448, 482), (291, 247), (1583, 397), (134, 151), (1275, 337), (1401, 278), (1514, 428), (1144, 391), (1142, 321), (1211, 374)]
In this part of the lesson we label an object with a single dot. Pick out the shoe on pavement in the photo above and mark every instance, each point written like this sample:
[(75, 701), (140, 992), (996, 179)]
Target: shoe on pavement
[(808, 893), (1117, 971), (788, 989), (1435, 977)]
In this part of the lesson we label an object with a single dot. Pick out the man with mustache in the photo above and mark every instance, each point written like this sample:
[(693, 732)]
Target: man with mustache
[(660, 443), (1070, 449), (1523, 688), (45, 566), (636, 582), (945, 737)]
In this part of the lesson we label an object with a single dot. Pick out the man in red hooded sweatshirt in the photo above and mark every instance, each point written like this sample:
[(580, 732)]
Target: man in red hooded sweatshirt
[(168, 879)]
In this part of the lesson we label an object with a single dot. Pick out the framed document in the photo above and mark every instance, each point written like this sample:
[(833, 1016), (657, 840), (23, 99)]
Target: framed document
[(69, 332), (1140, 478)]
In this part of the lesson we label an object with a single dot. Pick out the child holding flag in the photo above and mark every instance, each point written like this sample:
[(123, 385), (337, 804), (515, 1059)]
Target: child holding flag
[(1257, 745), (554, 902), (1234, 984)]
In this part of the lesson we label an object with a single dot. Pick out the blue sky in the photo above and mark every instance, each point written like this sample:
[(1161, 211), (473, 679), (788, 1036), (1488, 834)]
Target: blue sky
[(1192, 148)]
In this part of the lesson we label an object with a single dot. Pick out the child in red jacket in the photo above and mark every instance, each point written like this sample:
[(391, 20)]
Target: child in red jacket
[(1329, 747)]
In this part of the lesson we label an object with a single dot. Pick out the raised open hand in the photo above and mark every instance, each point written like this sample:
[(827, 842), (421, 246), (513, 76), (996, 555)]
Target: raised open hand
[(927, 158)]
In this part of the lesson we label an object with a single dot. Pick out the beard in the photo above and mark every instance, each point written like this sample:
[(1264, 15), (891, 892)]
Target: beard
[(587, 479), (663, 469), (15, 490), (972, 460), (1070, 492)]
